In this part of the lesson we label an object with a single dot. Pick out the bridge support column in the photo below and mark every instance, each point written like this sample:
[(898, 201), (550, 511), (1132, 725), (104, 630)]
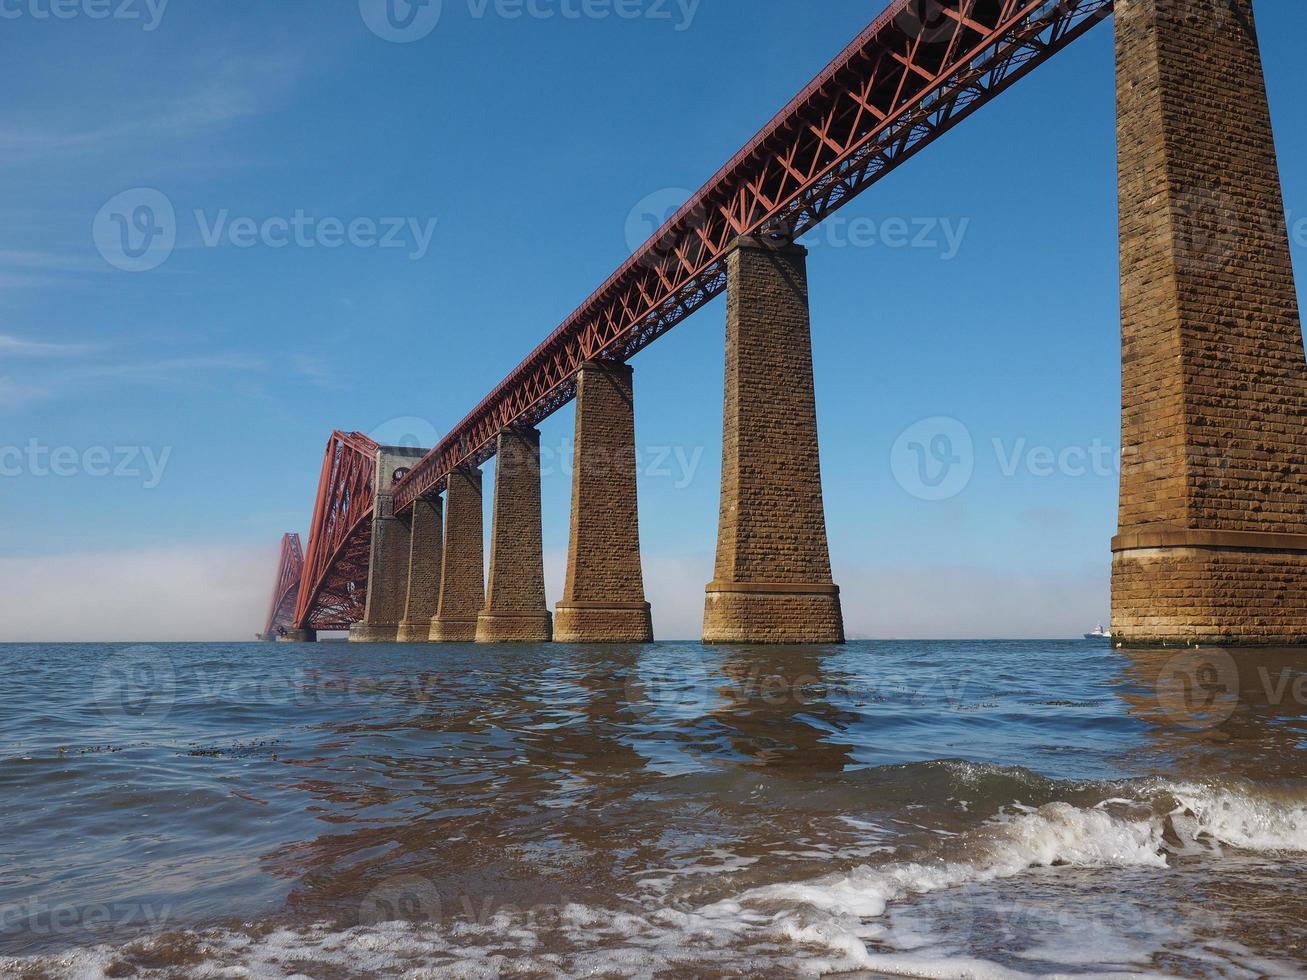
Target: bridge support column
[(424, 554), (462, 566), (299, 636), (1212, 546), (388, 558), (603, 599), (773, 579), (515, 609)]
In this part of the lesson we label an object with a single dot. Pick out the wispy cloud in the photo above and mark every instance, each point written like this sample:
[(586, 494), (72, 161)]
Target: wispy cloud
[(17, 346), (226, 90), (169, 369)]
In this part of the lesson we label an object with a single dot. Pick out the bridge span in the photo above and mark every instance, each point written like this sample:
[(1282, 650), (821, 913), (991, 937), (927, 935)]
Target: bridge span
[(1213, 515)]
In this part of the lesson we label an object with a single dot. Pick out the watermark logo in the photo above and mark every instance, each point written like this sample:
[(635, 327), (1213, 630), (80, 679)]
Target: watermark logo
[(1199, 688), (943, 235), (928, 20), (135, 686), (401, 21), (651, 213), (37, 460), (406, 432), (408, 898), (136, 230), (934, 459), (148, 13)]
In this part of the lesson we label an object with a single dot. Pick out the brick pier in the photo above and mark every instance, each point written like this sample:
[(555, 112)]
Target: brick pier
[(773, 578), (603, 599), (515, 610), (1213, 513), (389, 556), (462, 568), (424, 554)]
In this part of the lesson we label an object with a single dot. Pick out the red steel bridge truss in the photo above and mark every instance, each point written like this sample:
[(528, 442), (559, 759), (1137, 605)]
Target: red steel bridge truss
[(290, 570), (919, 69), (335, 581)]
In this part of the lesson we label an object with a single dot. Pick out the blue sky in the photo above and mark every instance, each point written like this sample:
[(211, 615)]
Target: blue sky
[(519, 156)]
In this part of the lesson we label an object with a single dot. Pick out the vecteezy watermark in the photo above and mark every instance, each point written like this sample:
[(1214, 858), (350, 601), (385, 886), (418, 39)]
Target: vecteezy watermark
[(137, 230), (34, 917), (679, 464), (1199, 688), (37, 460), (1297, 230), (936, 234), (1202, 688), (407, 432), (401, 21), (939, 234), (417, 900), (148, 13), (406, 21), (682, 687), (135, 686), (934, 459)]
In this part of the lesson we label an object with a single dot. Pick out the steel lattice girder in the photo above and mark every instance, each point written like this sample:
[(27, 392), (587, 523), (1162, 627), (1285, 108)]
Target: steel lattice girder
[(290, 571), (919, 69), (334, 584)]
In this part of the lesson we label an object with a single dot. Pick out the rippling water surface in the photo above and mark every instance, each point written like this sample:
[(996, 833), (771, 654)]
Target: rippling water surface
[(934, 809)]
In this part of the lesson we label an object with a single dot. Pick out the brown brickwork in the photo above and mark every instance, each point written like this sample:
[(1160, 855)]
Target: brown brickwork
[(424, 556), (1214, 401), (462, 568), (603, 599), (389, 554), (773, 580), (515, 609)]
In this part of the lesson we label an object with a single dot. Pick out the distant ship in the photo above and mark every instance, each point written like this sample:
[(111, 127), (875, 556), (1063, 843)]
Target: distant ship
[(1098, 633)]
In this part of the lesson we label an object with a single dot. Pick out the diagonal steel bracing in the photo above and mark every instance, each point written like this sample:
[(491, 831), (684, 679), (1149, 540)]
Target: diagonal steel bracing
[(918, 70), (334, 583)]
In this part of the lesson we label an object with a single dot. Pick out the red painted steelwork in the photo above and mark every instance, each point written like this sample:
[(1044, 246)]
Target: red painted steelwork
[(334, 585), (290, 570), (921, 67)]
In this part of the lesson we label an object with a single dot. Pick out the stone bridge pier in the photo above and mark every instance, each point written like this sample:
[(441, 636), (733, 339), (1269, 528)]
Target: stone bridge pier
[(1212, 545), (515, 610), (424, 554), (773, 578), (603, 598), (462, 566), (388, 562)]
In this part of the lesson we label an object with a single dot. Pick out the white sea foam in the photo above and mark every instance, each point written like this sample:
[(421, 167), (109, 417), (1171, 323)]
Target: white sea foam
[(837, 922)]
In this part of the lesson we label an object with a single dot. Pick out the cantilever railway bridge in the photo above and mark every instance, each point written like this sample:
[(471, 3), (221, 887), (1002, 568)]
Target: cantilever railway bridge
[(917, 70)]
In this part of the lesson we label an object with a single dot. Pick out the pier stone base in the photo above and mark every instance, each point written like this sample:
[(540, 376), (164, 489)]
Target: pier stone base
[(1213, 512)]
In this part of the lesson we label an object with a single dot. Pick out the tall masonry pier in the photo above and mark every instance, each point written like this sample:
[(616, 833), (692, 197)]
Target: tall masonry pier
[(603, 598), (388, 562), (1212, 545), (773, 576)]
